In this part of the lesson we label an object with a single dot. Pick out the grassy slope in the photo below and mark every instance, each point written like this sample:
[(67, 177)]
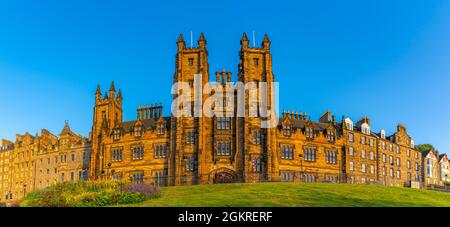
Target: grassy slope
[(296, 194)]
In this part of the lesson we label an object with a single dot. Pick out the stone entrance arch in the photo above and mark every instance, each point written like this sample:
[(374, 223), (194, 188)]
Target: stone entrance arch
[(223, 176)]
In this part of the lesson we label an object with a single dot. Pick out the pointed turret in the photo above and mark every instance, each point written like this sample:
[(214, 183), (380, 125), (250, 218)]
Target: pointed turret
[(181, 43), (98, 93), (266, 42), (106, 96), (119, 95), (112, 91), (112, 88), (202, 41), (244, 41)]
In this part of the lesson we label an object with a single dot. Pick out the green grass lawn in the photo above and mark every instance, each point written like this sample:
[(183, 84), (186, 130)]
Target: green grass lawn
[(296, 195)]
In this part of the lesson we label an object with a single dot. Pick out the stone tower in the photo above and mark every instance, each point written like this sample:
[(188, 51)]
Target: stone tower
[(107, 114), (256, 144), (188, 133)]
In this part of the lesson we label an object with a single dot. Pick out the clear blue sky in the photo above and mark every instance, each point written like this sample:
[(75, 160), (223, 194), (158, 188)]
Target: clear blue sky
[(382, 58)]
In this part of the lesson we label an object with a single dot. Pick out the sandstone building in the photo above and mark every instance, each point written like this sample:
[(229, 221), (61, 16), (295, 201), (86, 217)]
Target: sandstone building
[(189, 150), (34, 162), (222, 148)]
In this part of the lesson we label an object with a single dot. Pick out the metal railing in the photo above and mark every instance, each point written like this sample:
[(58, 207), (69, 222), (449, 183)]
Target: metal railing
[(282, 176)]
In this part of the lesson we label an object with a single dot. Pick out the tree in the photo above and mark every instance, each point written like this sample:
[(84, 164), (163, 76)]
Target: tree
[(424, 147)]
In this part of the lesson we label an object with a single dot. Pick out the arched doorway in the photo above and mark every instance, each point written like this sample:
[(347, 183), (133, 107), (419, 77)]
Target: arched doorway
[(223, 176)]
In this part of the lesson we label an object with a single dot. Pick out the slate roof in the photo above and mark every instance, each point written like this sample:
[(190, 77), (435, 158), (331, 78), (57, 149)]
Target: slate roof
[(318, 126), (425, 153)]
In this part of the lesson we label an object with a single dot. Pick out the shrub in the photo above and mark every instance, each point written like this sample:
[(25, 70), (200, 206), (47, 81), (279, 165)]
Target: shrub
[(90, 194)]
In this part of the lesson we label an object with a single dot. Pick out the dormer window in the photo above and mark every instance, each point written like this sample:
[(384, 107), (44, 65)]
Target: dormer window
[(138, 131), (365, 128), (309, 133), (116, 134), (286, 130), (349, 124), (412, 144), (160, 129), (383, 134), (330, 135)]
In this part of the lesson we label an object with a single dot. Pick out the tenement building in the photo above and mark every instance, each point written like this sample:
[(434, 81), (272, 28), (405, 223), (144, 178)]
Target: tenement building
[(224, 143), (33, 162)]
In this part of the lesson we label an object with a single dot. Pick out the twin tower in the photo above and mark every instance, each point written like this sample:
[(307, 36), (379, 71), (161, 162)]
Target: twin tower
[(198, 149)]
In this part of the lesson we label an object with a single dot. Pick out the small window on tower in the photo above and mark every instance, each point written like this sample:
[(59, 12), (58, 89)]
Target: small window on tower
[(191, 61), (256, 61)]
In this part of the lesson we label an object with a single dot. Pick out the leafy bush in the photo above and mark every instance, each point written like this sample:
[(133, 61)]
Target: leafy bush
[(424, 147), (90, 194)]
